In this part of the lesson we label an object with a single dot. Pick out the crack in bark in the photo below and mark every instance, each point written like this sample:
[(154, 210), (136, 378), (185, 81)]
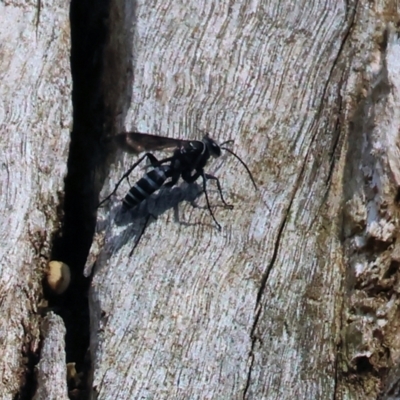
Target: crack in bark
[(39, 8), (337, 142), (335, 148), (352, 11), (82, 186), (263, 283), (28, 389)]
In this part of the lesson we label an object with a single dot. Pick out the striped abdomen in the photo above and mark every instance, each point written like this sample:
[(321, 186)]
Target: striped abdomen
[(146, 186)]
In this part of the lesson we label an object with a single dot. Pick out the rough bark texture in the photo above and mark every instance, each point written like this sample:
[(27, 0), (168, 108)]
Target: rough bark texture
[(297, 295), (35, 117), (51, 371), (276, 304)]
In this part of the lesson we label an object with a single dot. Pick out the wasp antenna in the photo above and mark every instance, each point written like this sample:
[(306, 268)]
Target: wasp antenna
[(244, 165), (226, 142)]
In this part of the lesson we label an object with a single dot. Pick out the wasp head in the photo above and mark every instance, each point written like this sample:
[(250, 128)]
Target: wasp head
[(212, 146)]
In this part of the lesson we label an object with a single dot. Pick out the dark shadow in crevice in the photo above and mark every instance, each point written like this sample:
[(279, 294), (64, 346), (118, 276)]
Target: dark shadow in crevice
[(101, 66)]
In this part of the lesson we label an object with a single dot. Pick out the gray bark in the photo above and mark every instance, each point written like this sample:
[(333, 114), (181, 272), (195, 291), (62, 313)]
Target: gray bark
[(51, 371), (274, 305), (35, 117), (297, 295)]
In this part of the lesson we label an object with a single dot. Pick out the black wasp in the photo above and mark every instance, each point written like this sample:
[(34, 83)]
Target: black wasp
[(187, 162)]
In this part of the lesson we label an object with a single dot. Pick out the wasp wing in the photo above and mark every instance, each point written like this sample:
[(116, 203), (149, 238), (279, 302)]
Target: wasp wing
[(136, 142)]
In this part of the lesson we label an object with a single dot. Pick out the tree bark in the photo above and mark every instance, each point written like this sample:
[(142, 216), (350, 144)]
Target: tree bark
[(35, 117), (51, 369), (297, 295), (284, 302)]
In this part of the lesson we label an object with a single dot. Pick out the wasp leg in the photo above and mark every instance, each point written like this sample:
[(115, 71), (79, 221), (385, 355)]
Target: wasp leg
[(194, 177), (127, 173), (154, 162), (174, 180), (208, 176), (145, 225), (208, 202)]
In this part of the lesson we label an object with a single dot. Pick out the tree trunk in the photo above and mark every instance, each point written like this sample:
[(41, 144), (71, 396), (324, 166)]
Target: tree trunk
[(297, 295), (35, 118), (294, 297)]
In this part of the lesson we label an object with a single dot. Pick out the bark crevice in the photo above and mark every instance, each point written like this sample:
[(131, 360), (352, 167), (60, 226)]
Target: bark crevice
[(86, 160), (263, 283)]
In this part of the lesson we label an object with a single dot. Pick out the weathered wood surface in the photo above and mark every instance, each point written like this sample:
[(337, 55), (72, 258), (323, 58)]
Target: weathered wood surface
[(35, 117), (297, 296), (257, 310), (51, 371)]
